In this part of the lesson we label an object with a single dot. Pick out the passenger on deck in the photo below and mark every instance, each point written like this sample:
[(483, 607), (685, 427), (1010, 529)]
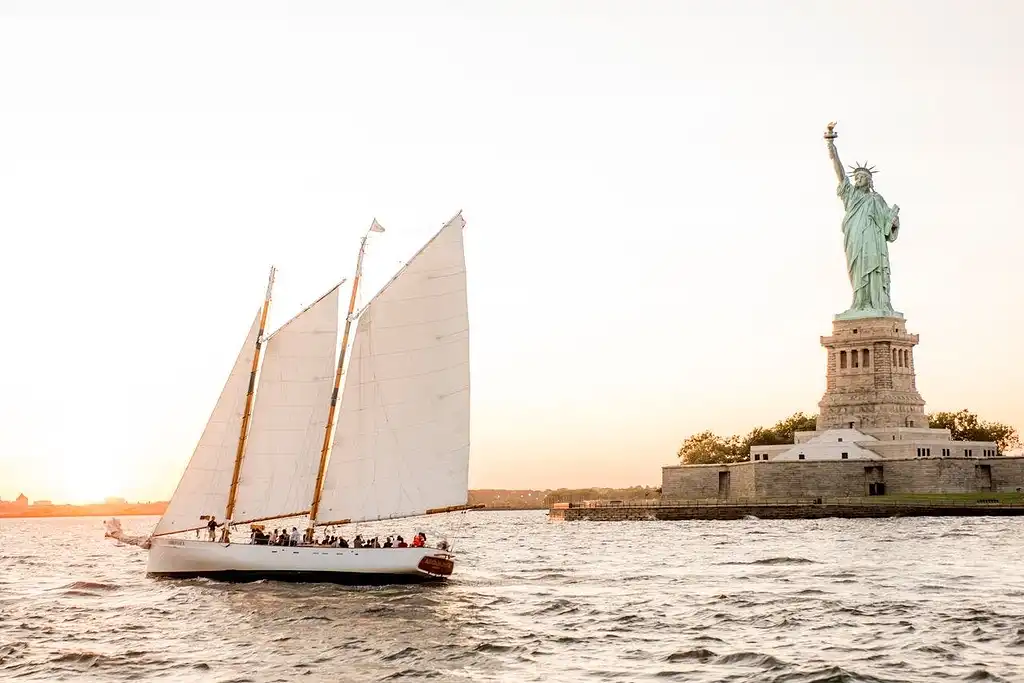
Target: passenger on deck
[(211, 527), (295, 536), (388, 543), (401, 543), (418, 540), (357, 542), (283, 538)]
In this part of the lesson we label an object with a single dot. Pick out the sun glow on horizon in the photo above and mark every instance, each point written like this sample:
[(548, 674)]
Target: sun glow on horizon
[(90, 482)]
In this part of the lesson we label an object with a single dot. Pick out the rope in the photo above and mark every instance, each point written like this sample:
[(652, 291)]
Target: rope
[(458, 531)]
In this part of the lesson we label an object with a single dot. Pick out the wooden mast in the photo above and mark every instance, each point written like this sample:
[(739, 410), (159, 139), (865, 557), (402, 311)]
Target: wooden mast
[(314, 507), (248, 403)]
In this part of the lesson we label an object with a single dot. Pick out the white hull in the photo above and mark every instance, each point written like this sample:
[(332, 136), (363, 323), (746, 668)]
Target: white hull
[(178, 558)]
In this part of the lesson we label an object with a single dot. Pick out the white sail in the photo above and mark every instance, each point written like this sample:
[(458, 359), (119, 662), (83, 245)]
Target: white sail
[(282, 452), (401, 445), (203, 489)]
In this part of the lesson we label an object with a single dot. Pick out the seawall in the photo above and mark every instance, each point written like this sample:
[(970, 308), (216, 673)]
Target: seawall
[(596, 512)]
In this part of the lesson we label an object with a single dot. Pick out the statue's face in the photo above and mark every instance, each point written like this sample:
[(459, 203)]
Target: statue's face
[(862, 179)]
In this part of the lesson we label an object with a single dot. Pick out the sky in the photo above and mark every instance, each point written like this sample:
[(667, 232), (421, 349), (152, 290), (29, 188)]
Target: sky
[(653, 236)]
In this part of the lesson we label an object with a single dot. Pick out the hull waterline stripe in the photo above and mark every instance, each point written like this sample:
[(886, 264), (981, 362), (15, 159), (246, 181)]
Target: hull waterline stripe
[(348, 578)]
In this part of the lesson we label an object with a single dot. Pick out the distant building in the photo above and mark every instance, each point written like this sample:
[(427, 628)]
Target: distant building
[(15, 506), (42, 503)]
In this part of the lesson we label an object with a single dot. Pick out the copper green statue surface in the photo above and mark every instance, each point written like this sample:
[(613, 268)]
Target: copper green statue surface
[(868, 226)]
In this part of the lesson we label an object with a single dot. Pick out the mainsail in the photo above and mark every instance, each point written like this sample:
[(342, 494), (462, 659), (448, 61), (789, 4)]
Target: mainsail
[(401, 445), (282, 452), (203, 489)]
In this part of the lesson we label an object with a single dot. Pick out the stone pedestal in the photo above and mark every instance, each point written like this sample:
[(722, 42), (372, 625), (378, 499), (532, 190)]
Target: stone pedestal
[(870, 380)]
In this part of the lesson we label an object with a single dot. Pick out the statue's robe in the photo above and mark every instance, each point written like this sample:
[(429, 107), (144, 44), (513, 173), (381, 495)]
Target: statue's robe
[(867, 227)]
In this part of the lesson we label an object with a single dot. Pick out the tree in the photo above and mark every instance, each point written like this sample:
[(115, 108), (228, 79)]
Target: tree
[(783, 432), (573, 495), (707, 448), (965, 426)]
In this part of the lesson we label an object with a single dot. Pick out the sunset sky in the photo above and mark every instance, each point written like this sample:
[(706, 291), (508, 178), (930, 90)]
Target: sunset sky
[(653, 239)]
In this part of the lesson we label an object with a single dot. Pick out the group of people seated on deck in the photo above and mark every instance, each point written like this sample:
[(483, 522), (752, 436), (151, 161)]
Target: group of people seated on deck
[(279, 537), (294, 537)]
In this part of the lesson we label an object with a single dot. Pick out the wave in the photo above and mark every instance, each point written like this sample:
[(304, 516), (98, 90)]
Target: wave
[(558, 607), (412, 673), (494, 648), (831, 674), (755, 659), (401, 654), (699, 654), (92, 586), (773, 561), (983, 675)]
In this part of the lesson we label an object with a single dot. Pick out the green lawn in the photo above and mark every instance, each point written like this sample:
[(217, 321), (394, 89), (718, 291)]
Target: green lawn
[(1012, 497)]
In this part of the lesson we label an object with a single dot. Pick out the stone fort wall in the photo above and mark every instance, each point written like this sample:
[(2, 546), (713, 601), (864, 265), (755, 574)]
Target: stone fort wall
[(840, 479)]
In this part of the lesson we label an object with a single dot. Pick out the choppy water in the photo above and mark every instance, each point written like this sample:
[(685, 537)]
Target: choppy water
[(785, 601)]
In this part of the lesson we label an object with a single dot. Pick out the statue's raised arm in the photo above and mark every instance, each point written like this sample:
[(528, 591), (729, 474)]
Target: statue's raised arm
[(830, 140)]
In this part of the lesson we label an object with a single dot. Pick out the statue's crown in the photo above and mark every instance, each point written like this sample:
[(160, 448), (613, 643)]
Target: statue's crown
[(870, 170)]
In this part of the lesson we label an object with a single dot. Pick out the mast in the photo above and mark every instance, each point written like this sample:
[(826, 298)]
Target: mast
[(314, 507), (248, 402)]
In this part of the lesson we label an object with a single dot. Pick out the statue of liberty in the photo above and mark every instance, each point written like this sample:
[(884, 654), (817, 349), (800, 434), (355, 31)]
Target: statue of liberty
[(868, 225)]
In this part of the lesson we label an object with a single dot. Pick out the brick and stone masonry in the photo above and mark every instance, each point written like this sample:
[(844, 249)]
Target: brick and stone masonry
[(841, 479), (869, 376)]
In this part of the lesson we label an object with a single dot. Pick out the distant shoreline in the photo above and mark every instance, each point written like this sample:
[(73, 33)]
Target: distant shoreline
[(491, 499), (129, 510)]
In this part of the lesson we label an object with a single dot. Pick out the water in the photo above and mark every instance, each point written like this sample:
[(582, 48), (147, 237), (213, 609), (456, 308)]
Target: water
[(786, 601)]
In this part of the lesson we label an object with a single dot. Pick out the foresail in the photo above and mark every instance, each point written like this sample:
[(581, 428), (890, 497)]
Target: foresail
[(203, 489), (282, 454), (401, 445)]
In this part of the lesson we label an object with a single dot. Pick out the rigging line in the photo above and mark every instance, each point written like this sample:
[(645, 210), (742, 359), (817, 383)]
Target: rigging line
[(411, 259), (296, 316), (457, 534)]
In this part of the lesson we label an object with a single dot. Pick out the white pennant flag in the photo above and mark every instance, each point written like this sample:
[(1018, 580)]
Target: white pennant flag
[(376, 227)]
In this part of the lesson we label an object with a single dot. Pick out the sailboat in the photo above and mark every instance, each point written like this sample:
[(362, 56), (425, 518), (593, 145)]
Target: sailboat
[(280, 444)]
